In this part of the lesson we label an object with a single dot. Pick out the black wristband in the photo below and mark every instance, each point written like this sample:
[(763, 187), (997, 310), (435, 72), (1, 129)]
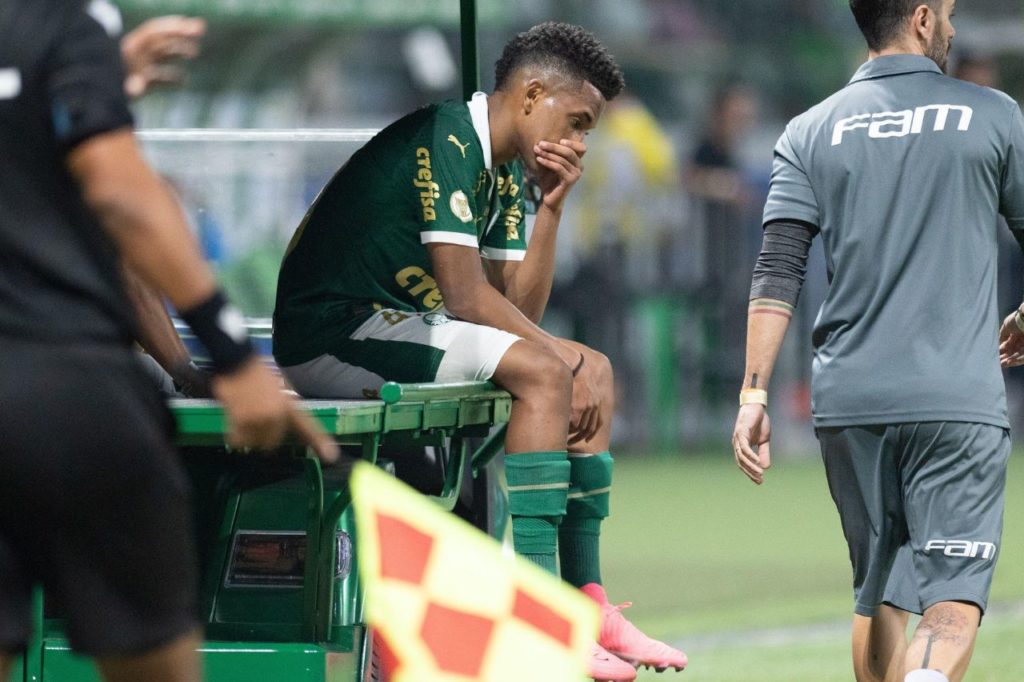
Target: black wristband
[(220, 327), (579, 365)]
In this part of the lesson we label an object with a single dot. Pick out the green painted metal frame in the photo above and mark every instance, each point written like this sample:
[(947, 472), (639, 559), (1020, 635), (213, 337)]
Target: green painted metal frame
[(455, 411), (470, 49)]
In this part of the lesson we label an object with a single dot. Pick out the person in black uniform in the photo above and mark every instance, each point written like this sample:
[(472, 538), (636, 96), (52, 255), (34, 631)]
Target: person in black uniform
[(93, 503)]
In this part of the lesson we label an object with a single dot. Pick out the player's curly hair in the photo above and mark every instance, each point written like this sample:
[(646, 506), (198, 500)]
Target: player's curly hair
[(881, 21), (571, 49)]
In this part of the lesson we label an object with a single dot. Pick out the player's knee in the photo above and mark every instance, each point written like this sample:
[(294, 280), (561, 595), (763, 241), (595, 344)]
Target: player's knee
[(603, 367), (550, 378)]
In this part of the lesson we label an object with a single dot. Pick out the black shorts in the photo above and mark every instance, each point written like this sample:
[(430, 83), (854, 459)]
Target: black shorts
[(94, 503)]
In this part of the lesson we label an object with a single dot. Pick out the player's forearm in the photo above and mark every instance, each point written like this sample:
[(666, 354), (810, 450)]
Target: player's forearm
[(156, 333), (767, 321), (530, 287)]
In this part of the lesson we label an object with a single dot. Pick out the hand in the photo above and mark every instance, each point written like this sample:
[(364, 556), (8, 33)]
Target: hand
[(586, 404), (1011, 343), (564, 160), (149, 52), (190, 380), (753, 430), (259, 414)]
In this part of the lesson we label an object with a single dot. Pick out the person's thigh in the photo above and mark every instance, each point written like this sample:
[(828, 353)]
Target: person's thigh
[(954, 480), (403, 347), (93, 496), (861, 467)]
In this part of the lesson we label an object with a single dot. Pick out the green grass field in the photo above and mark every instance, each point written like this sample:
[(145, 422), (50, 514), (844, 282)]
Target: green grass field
[(754, 582)]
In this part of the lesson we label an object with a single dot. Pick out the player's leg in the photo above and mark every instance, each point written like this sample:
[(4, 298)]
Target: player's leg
[(590, 478), (416, 347), (954, 486), (863, 478), (880, 645), (944, 640), (177, 661), (535, 459)]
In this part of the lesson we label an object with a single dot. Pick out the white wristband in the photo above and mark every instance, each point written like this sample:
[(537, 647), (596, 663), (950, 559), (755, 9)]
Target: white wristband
[(754, 395)]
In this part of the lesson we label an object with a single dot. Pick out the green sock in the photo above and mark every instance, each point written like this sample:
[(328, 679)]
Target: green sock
[(579, 544), (537, 485), (536, 539), (579, 534)]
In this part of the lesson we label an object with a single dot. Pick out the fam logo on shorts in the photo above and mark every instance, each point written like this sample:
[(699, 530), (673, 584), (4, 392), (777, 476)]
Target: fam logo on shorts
[(460, 206), (963, 548), (436, 319)]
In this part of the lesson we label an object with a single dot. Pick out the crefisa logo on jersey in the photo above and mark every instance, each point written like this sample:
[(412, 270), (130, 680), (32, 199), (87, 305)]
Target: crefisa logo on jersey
[(968, 549), (888, 124)]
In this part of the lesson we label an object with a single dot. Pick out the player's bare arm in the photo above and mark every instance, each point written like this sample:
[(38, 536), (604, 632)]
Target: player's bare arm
[(527, 284), (158, 337), (767, 321), (1011, 339), (469, 296), (774, 291), (1011, 332), (149, 229)]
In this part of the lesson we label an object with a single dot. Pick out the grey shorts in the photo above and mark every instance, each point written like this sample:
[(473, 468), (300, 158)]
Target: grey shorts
[(921, 505)]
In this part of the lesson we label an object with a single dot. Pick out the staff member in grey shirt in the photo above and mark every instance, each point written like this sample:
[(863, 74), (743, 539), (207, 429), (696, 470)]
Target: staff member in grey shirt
[(903, 173)]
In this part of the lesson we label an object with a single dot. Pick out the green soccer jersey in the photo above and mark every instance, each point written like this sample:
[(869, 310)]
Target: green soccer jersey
[(362, 245)]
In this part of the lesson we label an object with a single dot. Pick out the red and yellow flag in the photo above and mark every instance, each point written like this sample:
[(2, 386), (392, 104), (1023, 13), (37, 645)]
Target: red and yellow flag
[(448, 604)]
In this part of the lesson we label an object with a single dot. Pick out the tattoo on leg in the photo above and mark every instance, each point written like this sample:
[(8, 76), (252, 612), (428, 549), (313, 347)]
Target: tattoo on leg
[(753, 380), (928, 651), (942, 624)]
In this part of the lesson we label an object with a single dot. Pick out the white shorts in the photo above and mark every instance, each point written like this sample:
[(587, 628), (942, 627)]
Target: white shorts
[(403, 347)]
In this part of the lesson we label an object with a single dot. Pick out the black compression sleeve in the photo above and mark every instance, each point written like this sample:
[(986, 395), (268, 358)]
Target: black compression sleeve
[(782, 265)]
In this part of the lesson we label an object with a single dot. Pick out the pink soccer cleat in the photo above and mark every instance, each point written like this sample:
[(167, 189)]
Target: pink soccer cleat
[(606, 667), (623, 639)]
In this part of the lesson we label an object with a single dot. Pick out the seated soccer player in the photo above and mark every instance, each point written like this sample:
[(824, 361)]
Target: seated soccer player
[(412, 266)]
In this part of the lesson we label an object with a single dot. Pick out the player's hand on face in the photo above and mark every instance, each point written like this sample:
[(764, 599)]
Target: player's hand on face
[(1011, 343), (564, 162), (586, 404), (151, 52), (750, 441), (260, 415)]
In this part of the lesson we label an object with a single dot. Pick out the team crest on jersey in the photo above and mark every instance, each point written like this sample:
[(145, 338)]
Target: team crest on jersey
[(460, 206)]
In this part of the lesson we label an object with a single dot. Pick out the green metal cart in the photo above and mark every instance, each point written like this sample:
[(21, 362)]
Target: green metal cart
[(280, 597)]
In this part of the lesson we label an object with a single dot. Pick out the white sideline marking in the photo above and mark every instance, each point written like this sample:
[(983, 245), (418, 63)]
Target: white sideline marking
[(802, 634)]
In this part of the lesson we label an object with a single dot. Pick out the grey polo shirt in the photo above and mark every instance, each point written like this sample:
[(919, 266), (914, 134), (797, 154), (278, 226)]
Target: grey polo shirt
[(904, 171)]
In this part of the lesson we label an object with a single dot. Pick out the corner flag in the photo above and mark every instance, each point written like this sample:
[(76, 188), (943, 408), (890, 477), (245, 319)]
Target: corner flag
[(449, 605)]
